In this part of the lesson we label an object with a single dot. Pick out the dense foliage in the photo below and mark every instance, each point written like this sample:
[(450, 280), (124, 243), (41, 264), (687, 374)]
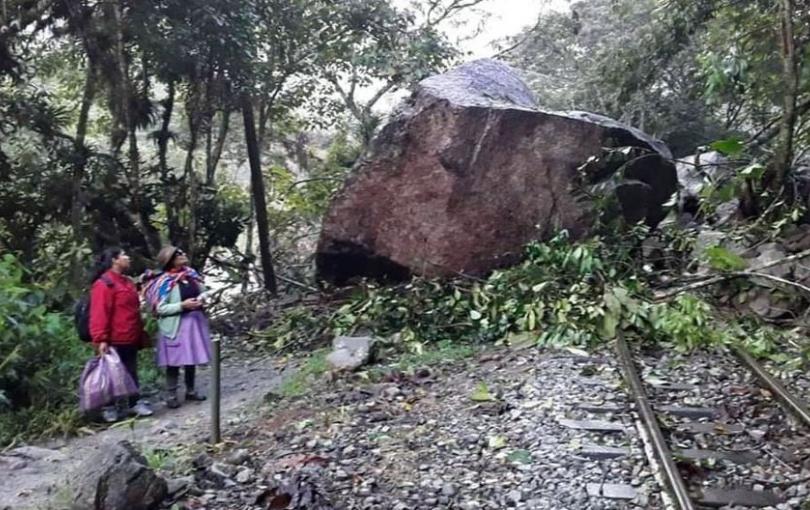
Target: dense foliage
[(40, 358), (213, 125)]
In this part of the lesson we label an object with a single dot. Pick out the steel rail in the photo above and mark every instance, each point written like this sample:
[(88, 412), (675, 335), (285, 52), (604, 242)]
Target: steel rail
[(677, 486), (793, 404)]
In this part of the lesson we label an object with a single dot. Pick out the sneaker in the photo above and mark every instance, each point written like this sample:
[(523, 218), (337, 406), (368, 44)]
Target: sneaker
[(110, 414), (142, 409)]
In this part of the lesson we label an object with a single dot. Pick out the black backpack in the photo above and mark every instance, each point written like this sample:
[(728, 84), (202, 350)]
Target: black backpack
[(81, 314)]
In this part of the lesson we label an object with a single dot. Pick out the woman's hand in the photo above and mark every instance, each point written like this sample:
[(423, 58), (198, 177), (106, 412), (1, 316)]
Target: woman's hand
[(103, 348), (191, 304)]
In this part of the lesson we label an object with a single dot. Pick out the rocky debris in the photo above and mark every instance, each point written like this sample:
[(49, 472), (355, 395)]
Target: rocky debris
[(238, 457), (470, 171), (797, 238), (708, 238), (176, 487), (419, 440), (303, 490), (767, 254), (117, 478), (697, 171), (350, 353)]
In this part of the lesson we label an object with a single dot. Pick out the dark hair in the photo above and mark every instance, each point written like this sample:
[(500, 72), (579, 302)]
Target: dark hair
[(105, 261)]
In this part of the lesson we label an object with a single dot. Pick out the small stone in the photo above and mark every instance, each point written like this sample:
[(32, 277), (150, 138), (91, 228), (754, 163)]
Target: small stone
[(244, 475), (448, 490), (238, 457), (514, 497), (222, 470), (176, 486)]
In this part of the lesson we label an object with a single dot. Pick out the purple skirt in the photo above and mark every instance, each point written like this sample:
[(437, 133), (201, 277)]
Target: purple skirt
[(191, 345)]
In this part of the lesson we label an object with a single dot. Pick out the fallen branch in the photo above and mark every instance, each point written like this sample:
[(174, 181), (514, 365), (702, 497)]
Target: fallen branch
[(757, 271), (296, 283), (774, 278)]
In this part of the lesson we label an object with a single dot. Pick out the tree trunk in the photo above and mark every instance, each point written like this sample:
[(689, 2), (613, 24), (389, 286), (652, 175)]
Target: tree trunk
[(172, 227), (150, 233), (249, 258), (216, 154), (191, 178), (77, 203), (790, 65), (80, 162), (257, 188)]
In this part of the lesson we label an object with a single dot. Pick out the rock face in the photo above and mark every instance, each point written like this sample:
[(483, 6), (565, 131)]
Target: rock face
[(117, 478), (470, 171)]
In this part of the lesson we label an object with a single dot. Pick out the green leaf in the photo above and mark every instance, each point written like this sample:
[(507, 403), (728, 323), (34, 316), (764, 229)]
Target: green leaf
[(721, 259), (520, 457), (482, 394), (754, 171), (729, 147), (497, 442)]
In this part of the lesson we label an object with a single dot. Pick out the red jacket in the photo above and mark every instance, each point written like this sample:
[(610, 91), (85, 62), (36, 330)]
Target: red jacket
[(115, 315)]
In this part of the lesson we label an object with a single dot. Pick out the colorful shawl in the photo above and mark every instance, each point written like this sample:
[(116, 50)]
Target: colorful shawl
[(160, 284)]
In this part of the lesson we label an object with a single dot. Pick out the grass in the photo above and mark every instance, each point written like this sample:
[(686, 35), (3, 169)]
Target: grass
[(299, 382), (443, 352), (175, 460), (149, 374)]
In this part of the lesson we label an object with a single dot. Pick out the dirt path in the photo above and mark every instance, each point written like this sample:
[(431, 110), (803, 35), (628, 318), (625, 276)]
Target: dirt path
[(32, 476)]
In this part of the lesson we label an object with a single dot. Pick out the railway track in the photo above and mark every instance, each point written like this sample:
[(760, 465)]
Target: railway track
[(716, 451)]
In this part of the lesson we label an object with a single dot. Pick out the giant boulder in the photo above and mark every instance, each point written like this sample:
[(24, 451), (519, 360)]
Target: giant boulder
[(470, 170)]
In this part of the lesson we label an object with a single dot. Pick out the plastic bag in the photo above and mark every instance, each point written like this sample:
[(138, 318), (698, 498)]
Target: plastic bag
[(104, 380)]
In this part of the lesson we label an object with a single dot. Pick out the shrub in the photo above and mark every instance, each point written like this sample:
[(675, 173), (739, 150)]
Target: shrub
[(41, 358)]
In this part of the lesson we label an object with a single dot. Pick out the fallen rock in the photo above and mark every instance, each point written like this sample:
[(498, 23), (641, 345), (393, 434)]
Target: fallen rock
[(769, 304), (117, 478), (708, 238), (470, 171), (798, 238), (350, 353), (238, 457), (697, 171), (767, 254), (177, 486), (244, 475)]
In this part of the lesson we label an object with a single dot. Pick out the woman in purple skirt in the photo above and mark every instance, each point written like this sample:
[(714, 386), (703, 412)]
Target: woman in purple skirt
[(175, 296)]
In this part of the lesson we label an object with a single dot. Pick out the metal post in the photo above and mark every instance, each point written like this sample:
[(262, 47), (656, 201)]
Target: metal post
[(215, 387)]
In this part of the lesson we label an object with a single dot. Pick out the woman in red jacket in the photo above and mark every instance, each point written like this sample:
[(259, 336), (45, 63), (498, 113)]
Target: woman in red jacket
[(115, 320)]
